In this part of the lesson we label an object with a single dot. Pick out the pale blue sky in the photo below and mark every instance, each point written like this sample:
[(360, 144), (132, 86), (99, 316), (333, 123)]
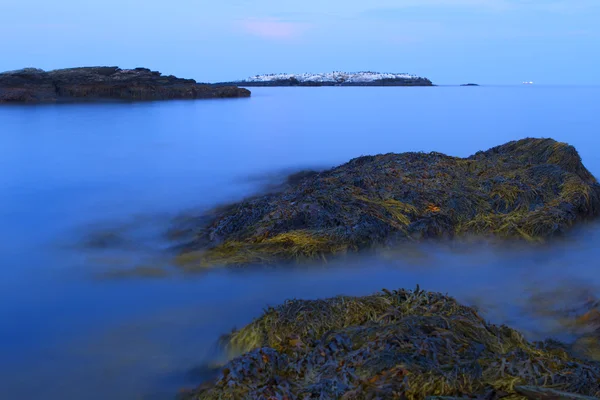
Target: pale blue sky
[(449, 41)]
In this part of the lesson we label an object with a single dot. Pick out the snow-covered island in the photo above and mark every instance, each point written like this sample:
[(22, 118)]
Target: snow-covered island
[(336, 78)]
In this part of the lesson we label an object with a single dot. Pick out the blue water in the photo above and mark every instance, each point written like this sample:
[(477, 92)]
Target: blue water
[(65, 334)]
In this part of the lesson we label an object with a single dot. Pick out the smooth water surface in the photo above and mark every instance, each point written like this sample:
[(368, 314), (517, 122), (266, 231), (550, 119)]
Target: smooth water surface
[(66, 334)]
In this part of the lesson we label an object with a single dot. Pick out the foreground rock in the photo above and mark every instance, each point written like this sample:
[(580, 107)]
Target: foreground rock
[(334, 79), (529, 189), (393, 345), (103, 83)]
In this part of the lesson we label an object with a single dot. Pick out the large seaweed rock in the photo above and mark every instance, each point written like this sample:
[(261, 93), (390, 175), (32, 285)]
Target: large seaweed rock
[(531, 189), (392, 345), (103, 83)]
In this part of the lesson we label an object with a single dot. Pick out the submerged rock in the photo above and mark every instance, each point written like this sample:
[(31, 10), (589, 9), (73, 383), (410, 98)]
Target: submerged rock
[(103, 83), (392, 345), (530, 189)]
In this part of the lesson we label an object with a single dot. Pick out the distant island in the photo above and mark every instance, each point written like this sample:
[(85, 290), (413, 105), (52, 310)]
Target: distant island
[(333, 79), (469, 84), (89, 84)]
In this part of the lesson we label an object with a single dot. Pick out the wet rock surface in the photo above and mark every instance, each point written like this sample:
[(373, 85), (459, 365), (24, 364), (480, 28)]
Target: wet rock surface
[(532, 189), (393, 345), (104, 83)]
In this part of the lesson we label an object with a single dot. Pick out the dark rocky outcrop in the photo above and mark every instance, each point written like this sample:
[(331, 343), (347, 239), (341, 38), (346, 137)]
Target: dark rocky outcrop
[(531, 189), (395, 345), (104, 83)]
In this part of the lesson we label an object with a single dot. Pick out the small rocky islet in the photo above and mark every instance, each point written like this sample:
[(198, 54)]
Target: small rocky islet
[(94, 84), (531, 189)]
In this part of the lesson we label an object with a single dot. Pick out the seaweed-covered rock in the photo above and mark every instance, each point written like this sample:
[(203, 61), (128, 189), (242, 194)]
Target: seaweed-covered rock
[(392, 345), (103, 83), (531, 188)]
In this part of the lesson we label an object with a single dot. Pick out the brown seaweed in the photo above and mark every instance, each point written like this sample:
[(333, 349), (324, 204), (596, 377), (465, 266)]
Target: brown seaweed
[(393, 345), (532, 189)]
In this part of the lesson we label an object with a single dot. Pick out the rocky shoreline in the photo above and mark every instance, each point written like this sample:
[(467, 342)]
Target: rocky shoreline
[(94, 84), (532, 190)]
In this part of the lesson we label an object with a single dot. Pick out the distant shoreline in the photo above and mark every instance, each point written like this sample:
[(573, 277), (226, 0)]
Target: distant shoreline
[(321, 84), (335, 78)]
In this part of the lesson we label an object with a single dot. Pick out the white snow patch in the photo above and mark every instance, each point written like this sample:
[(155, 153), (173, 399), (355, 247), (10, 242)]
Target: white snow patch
[(336, 76)]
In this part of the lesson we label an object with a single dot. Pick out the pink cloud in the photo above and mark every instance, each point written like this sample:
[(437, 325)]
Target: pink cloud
[(273, 28)]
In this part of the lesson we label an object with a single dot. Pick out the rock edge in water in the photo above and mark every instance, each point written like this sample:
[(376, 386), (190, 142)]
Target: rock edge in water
[(529, 189), (89, 84), (392, 345)]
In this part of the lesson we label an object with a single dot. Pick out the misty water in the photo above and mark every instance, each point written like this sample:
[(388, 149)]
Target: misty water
[(71, 330)]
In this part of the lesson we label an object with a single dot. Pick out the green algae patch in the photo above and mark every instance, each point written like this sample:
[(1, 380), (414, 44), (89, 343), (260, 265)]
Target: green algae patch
[(392, 345), (288, 246), (531, 189)]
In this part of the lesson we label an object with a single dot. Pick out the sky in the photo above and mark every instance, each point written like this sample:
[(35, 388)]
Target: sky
[(448, 41)]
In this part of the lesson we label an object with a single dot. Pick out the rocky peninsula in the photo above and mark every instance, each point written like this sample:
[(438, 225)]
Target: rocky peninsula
[(92, 84), (531, 189), (402, 344), (334, 79)]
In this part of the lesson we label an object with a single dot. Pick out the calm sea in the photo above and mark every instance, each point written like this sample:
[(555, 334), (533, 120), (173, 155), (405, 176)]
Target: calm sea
[(67, 331)]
